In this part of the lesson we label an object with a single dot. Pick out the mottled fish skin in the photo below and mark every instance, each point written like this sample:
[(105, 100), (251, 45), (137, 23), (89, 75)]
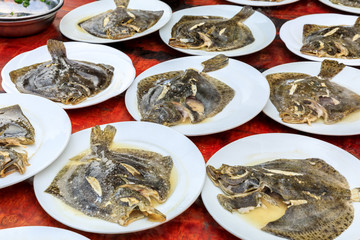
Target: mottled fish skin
[(15, 127), (12, 160), (332, 41), (212, 33), (349, 3), (61, 79), (121, 22), (318, 196), (301, 98), (115, 184)]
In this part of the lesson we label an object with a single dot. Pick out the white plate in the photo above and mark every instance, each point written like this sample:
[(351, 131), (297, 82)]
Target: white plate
[(124, 71), (52, 133), (69, 23), (291, 33), (188, 163), (341, 7), (349, 77), (262, 28), (39, 233), (264, 147), (242, 108), (262, 3)]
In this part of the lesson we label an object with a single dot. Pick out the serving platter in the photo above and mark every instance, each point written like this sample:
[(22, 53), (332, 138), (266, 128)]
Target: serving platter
[(259, 3), (264, 147), (248, 83), (189, 168), (124, 71), (262, 28), (341, 7)]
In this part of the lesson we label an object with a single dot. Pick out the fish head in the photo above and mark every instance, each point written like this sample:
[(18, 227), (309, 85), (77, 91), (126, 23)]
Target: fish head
[(326, 47), (303, 111), (166, 113)]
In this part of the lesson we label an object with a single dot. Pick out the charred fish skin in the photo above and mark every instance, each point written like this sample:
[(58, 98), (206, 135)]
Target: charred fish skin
[(114, 184), (332, 41), (212, 33), (349, 3), (61, 79), (121, 22), (318, 196)]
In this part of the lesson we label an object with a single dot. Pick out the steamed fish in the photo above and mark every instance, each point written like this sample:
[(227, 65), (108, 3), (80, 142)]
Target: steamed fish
[(212, 33), (174, 97), (121, 22), (318, 198), (332, 41), (118, 185), (61, 79), (301, 98), (348, 3)]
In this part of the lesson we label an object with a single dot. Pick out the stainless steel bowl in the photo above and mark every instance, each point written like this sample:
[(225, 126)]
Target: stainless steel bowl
[(18, 21)]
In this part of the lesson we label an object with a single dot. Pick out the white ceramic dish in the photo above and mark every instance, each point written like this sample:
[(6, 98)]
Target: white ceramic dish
[(262, 3), (262, 28), (264, 147), (52, 133), (349, 77), (39, 233), (291, 33), (248, 83), (188, 163), (69, 23), (124, 71), (341, 7)]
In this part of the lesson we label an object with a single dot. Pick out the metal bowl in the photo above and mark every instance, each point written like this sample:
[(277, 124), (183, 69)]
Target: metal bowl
[(17, 21)]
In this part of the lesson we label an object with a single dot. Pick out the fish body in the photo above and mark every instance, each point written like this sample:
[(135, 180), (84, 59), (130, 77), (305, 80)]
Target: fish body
[(62, 79), (212, 33), (301, 98), (318, 198), (348, 3), (332, 41), (115, 184)]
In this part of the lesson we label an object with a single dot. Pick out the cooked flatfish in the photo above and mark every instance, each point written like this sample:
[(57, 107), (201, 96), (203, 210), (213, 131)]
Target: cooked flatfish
[(62, 79), (212, 33), (121, 22), (301, 98), (115, 184), (174, 97), (348, 3), (332, 41), (318, 198), (12, 160)]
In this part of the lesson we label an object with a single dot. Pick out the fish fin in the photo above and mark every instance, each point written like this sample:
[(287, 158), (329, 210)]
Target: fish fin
[(357, 24), (330, 68), (56, 49), (244, 14), (275, 78), (310, 28), (121, 3), (218, 62)]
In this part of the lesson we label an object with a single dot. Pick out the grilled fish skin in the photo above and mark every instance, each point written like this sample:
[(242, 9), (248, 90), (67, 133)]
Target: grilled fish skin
[(114, 184), (332, 41), (212, 33), (301, 98), (349, 3), (318, 196), (121, 22), (61, 79)]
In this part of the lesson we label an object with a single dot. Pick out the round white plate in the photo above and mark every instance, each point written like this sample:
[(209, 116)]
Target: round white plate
[(349, 77), (124, 71), (69, 23), (265, 147), (52, 133), (262, 3), (291, 33), (242, 108), (341, 7), (188, 163), (39, 233), (262, 28)]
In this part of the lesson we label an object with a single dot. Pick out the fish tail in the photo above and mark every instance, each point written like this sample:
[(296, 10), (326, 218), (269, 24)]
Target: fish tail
[(218, 62), (56, 49), (121, 3), (330, 68), (105, 137), (244, 14)]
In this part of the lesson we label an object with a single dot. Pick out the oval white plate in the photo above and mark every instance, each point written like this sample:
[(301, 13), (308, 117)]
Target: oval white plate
[(291, 33), (188, 163), (262, 3), (264, 147), (262, 28), (341, 7), (349, 77), (39, 233), (52, 133), (248, 83), (124, 71), (69, 23)]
